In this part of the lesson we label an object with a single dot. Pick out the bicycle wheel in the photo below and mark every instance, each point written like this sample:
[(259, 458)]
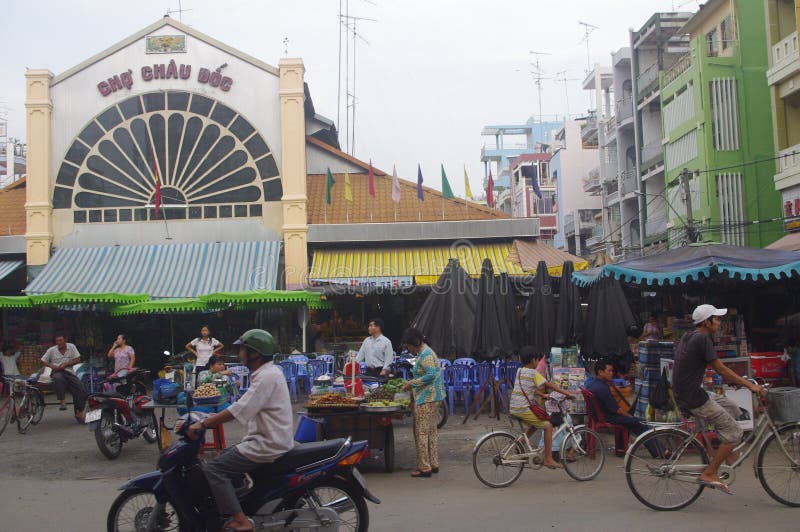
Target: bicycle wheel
[(37, 406), (779, 471), (498, 459), (667, 481), (24, 414), (6, 410), (583, 453)]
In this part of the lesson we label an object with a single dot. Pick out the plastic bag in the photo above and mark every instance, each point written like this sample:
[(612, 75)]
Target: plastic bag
[(659, 397)]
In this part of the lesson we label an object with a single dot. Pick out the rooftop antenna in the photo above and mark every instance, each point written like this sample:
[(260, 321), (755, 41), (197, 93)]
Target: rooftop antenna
[(561, 77), (350, 24), (286, 46), (179, 11), (587, 30), (538, 76)]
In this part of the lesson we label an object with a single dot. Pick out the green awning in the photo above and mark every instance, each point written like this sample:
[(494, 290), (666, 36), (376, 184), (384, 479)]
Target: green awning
[(163, 306), (15, 302), (71, 298), (260, 298)]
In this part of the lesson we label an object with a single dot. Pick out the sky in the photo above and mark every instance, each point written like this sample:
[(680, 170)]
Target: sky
[(429, 74)]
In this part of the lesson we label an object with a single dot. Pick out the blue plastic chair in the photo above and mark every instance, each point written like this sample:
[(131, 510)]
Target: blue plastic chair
[(329, 359), (444, 363), (242, 376), (289, 369), (456, 380), (479, 375), (465, 361), (303, 379), (317, 368)]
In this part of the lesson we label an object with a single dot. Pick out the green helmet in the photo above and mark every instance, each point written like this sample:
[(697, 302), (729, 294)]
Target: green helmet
[(259, 340)]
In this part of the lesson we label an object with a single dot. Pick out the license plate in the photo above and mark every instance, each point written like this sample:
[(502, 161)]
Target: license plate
[(93, 415)]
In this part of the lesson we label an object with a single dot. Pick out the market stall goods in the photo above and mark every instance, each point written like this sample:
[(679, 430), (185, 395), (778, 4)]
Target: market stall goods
[(331, 401)]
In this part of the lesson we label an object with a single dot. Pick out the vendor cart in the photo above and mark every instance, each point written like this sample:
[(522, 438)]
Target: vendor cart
[(374, 426)]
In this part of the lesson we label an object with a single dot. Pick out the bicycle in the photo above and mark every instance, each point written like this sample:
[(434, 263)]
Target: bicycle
[(24, 404), (670, 481), (500, 456)]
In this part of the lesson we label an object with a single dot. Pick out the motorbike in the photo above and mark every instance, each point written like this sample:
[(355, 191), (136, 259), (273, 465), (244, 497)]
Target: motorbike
[(314, 486), (116, 415)]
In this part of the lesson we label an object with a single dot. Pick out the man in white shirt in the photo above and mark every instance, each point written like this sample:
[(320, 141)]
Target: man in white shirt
[(60, 358), (376, 351), (266, 410)]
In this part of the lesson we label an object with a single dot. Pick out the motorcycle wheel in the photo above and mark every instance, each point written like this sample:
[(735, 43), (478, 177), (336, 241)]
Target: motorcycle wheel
[(132, 508), (341, 496), (150, 434), (108, 441)]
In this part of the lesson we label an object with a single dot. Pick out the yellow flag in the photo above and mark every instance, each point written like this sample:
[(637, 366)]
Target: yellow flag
[(466, 185), (348, 192)]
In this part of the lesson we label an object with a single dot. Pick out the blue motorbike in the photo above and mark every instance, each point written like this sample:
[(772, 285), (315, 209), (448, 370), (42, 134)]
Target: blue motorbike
[(315, 486)]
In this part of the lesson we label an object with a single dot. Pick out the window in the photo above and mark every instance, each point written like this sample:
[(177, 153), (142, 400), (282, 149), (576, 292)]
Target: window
[(725, 33), (712, 43)]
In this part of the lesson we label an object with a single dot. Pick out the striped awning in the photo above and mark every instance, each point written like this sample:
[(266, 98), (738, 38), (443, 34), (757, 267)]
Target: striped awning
[(7, 267), (398, 265), (528, 254), (161, 271)]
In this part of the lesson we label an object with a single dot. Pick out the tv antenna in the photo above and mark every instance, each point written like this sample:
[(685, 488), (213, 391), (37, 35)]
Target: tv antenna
[(561, 77), (538, 76), (350, 24), (179, 11), (587, 30)]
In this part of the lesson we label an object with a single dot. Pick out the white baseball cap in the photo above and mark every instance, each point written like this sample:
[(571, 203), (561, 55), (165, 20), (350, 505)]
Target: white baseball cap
[(703, 312)]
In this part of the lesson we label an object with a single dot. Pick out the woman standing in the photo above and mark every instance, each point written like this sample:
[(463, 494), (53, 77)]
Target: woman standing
[(428, 389), (124, 356), (202, 348)]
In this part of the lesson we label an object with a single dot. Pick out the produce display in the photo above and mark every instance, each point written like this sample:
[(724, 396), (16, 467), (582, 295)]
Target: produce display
[(331, 400), (205, 391)]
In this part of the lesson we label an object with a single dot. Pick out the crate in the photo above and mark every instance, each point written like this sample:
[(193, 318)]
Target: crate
[(783, 404)]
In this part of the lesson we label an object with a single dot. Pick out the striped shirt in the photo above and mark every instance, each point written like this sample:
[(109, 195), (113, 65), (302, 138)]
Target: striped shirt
[(528, 380)]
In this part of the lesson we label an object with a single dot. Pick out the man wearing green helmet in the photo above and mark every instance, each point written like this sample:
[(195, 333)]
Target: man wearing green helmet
[(266, 410)]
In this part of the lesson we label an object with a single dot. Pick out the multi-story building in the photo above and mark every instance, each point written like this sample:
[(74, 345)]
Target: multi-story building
[(713, 100), (577, 212), (511, 141), (783, 78), (655, 48), (530, 173)]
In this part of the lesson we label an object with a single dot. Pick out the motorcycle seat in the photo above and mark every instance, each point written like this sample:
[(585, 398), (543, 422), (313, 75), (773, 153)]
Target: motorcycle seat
[(113, 395), (300, 455)]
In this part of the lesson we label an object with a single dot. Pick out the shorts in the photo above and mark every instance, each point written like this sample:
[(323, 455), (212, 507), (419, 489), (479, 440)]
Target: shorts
[(721, 412), (529, 418)]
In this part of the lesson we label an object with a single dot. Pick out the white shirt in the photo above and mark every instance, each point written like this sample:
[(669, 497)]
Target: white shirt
[(266, 410), (376, 352), (10, 364), (204, 350), (54, 356)]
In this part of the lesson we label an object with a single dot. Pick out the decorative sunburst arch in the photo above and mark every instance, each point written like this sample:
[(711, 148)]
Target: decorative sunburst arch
[(209, 159)]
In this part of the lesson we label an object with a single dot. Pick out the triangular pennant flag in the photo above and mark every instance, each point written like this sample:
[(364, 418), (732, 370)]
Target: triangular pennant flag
[(490, 190), (329, 182), (446, 191), (395, 186), (420, 195), (371, 180), (467, 190), (348, 192)]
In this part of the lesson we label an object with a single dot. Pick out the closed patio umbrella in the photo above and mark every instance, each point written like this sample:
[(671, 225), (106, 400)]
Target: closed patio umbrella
[(540, 312), (607, 324), (569, 322), (491, 332)]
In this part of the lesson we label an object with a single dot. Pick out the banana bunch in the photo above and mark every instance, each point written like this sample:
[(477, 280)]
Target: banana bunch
[(206, 390)]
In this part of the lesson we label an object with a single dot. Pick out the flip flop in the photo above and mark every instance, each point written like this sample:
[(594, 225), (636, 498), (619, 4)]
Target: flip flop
[(721, 486), (421, 474), (557, 466)]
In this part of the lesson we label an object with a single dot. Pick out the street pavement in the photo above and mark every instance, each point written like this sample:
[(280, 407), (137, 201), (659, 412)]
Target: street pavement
[(54, 478)]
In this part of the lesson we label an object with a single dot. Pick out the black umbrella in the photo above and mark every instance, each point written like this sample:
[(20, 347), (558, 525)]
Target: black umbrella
[(491, 333), (508, 312), (607, 323), (569, 322), (447, 315), (540, 312)]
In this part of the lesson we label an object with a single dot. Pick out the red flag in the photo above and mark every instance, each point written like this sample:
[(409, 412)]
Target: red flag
[(490, 191), (371, 180), (158, 180)]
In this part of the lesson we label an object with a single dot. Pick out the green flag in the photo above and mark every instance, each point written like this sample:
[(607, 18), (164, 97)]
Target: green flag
[(329, 182), (446, 191)]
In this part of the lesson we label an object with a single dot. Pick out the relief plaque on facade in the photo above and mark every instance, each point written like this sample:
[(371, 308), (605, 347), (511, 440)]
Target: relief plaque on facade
[(165, 44)]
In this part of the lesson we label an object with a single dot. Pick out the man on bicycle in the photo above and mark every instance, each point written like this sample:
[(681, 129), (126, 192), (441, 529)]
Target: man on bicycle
[(694, 353)]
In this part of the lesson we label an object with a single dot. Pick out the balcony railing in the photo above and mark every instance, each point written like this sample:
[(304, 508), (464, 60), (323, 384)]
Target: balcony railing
[(609, 170), (597, 236), (680, 66), (628, 184), (785, 51), (569, 225), (591, 185), (589, 129), (652, 153), (611, 126), (647, 79), (789, 160), (611, 198), (624, 108)]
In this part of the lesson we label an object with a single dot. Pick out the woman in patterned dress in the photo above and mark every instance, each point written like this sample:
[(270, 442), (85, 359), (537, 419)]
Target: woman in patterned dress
[(428, 389)]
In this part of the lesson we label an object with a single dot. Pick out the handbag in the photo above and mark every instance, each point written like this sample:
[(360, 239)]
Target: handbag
[(537, 409)]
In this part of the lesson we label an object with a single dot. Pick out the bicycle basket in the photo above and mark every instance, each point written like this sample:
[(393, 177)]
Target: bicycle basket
[(783, 404)]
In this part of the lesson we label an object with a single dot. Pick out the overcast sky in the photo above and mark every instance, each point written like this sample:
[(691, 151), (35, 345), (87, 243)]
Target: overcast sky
[(429, 73)]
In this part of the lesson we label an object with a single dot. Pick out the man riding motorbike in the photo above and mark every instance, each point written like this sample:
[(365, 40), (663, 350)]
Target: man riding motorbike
[(266, 410)]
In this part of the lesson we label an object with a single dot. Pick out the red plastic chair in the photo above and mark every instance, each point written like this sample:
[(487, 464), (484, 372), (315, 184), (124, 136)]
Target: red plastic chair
[(596, 420)]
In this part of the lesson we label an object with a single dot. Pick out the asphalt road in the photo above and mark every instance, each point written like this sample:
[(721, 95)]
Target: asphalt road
[(54, 478)]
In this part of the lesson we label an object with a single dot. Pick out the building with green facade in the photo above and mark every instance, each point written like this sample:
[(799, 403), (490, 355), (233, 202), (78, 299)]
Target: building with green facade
[(716, 123)]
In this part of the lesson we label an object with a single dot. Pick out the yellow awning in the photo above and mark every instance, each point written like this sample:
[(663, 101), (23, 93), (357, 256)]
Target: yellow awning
[(424, 264), (526, 255)]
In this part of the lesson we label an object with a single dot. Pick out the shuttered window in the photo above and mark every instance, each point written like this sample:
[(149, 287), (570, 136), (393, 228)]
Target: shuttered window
[(724, 114), (682, 150), (731, 209), (679, 110)]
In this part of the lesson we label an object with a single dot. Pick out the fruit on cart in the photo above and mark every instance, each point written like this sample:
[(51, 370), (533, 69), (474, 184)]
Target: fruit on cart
[(205, 391), (384, 403)]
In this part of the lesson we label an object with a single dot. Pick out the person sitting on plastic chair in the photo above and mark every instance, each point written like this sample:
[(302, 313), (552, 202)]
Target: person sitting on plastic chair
[(222, 378)]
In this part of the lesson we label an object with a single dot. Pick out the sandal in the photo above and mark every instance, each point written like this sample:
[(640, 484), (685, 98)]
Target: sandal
[(718, 485), (424, 474), (434, 470)]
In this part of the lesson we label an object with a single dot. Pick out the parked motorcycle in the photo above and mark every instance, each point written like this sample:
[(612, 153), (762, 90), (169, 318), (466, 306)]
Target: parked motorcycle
[(315, 486), (117, 416)]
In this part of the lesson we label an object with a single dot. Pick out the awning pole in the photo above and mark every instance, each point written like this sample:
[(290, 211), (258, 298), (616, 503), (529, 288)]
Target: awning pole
[(171, 336)]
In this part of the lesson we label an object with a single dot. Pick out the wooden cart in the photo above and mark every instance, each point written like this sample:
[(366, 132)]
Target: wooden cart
[(374, 427)]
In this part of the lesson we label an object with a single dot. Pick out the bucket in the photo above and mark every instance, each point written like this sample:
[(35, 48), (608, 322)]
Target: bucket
[(308, 429), (768, 365)]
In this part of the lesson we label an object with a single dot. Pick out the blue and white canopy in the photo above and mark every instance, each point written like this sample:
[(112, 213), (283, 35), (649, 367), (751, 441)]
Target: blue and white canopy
[(696, 261)]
